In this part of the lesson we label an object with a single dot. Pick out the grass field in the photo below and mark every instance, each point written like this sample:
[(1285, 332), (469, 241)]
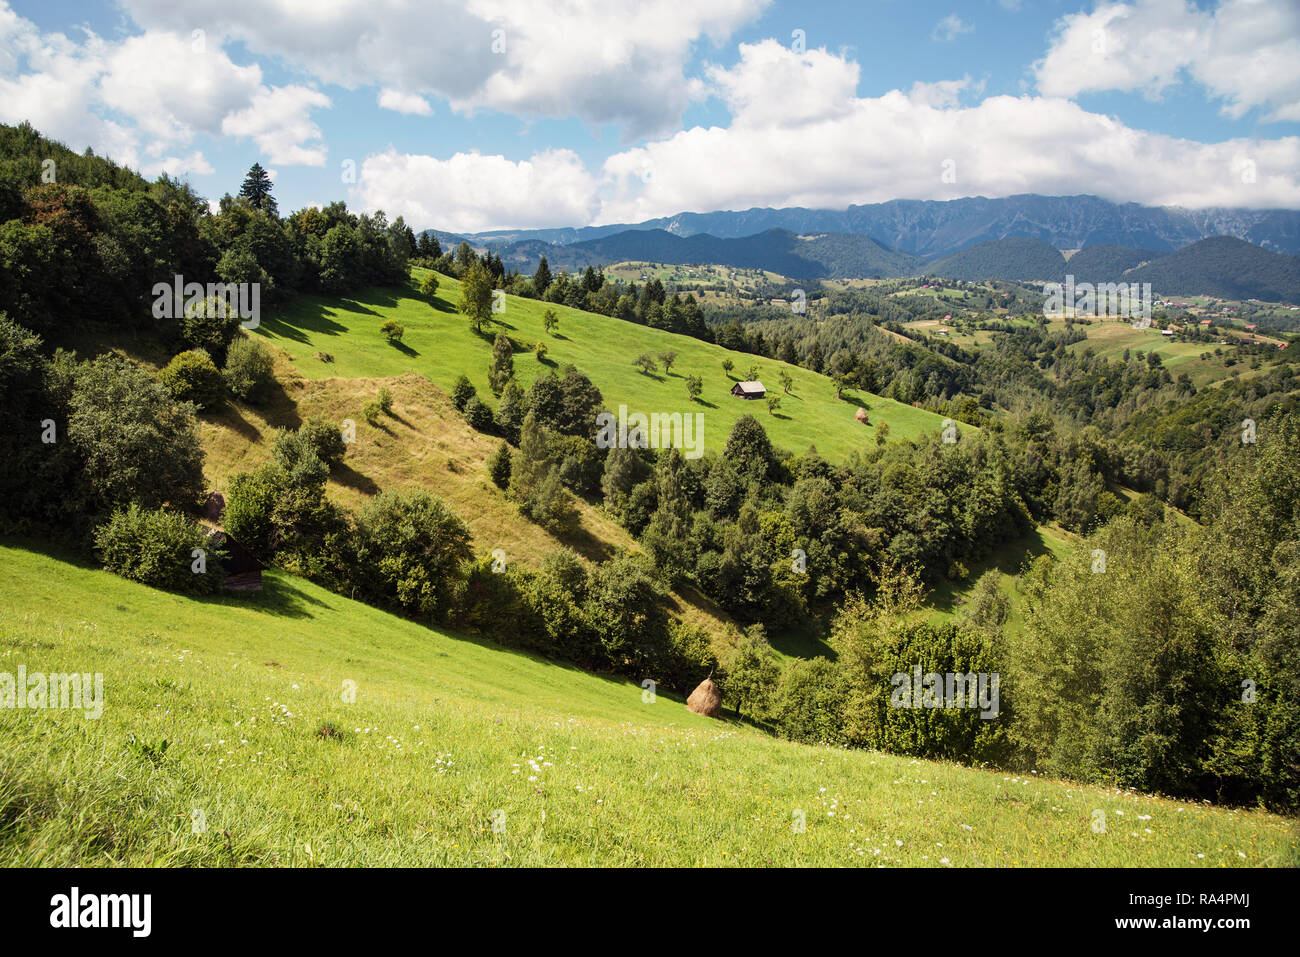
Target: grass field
[(225, 739), (440, 344), (1111, 339)]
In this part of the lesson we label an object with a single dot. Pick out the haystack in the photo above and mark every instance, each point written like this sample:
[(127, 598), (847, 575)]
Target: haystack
[(706, 699), (861, 415)]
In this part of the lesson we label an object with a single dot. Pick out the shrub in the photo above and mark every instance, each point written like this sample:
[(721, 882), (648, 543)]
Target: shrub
[(210, 328), (249, 371), (385, 400), (193, 377), (313, 448), (478, 415), (392, 330), (325, 439), (410, 548), (751, 673), (372, 412), (809, 702), (429, 285), (689, 658), (157, 548)]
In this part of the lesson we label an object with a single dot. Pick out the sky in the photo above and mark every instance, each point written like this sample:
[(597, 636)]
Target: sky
[(486, 114)]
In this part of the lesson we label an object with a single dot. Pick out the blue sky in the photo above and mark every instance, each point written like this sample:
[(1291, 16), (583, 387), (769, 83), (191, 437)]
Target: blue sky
[(495, 113)]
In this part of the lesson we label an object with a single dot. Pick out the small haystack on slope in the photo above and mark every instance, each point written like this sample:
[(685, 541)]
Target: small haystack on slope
[(706, 699)]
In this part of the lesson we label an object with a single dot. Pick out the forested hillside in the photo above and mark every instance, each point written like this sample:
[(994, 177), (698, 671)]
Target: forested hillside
[(939, 449)]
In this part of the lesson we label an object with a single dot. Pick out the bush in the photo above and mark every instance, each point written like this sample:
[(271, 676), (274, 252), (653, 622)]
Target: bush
[(689, 658), (409, 551), (429, 285), (809, 702), (325, 439), (249, 371), (206, 328), (372, 412), (193, 377), (310, 451), (385, 400), (157, 548), (392, 330), (478, 415)]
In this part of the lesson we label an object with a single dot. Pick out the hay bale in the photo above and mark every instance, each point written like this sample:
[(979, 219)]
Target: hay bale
[(861, 415), (705, 699)]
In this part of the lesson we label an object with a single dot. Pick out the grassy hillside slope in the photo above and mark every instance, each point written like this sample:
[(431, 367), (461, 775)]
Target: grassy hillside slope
[(440, 344), (233, 707), (425, 444)]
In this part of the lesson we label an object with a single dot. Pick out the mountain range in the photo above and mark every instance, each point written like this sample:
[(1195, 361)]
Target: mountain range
[(937, 228), (1231, 253)]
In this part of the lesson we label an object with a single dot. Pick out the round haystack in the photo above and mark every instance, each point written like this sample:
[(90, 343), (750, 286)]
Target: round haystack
[(861, 415), (705, 700)]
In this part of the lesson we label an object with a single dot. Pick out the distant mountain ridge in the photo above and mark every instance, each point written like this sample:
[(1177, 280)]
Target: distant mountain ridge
[(939, 228), (820, 256), (1224, 264)]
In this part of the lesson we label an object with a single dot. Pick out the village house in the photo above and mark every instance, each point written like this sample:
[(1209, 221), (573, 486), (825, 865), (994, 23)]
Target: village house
[(748, 390)]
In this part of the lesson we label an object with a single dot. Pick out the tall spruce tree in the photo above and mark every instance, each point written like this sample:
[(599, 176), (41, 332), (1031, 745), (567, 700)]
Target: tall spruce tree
[(257, 189)]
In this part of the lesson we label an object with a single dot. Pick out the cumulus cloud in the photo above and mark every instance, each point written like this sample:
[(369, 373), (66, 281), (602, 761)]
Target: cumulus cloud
[(605, 61), (279, 121), (1245, 52), (401, 102), (470, 191), (147, 94), (901, 145)]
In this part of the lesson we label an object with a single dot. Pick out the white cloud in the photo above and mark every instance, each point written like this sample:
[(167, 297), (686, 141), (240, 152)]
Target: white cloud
[(279, 121), (401, 102), (171, 91), (470, 191), (864, 150), (1245, 52), (605, 61), (178, 166), (148, 94), (949, 28)]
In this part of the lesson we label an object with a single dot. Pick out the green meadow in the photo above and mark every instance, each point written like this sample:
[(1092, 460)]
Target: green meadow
[(296, 727), (440, 344)]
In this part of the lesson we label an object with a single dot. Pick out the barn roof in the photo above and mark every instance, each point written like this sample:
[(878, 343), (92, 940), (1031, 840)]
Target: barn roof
[(749, 387)]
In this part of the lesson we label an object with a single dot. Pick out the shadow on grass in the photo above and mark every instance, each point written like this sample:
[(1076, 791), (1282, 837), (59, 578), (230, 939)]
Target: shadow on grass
[(1008, 558), (230, 417), (344, 474), (404, 349)]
